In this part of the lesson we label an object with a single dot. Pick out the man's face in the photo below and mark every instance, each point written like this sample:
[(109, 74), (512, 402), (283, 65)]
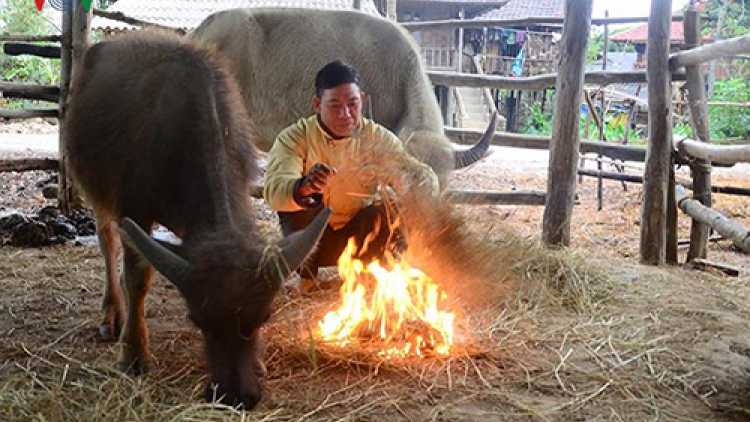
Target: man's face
[(339, 108)]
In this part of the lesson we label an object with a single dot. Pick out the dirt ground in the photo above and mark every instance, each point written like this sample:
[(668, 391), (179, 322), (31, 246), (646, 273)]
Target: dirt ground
[(585, 334)]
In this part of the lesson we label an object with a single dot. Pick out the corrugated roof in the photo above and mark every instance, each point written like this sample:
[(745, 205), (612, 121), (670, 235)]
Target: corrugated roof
[(639, 34), (188, 14), (522, 9)]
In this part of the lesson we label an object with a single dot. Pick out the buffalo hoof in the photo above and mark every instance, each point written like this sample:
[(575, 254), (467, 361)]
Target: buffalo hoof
[(135, 367)]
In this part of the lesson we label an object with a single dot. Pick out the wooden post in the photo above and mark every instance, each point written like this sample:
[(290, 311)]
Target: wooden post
[(460, 61), (672, 235), (600, 181), (713, 65), (563, 158), (75, 40), (390, 10), (658, 160), (701, 169)]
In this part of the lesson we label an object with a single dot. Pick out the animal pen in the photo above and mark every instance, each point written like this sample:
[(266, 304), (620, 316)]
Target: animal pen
[(635, 364), (658, 231)]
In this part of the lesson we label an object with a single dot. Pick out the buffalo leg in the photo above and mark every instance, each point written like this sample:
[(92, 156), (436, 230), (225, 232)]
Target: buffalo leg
[(134, 351), (113, 306)]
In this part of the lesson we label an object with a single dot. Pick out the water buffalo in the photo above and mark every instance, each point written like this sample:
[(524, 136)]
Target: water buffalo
[(156, 133), (275, 54)]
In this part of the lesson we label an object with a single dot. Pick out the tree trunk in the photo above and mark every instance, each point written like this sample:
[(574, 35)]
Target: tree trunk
[(658, 160), (561, 182)]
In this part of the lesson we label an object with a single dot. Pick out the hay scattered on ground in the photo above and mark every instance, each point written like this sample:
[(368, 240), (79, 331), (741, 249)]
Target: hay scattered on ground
[(567, 337), (545, 335)]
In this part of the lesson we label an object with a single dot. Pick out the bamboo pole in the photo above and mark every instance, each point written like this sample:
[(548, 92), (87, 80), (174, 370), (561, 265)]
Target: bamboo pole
[(563, 160), (533, 83), (719, 49), (700, 168), (658, 160), (49, 93), (730, 229)]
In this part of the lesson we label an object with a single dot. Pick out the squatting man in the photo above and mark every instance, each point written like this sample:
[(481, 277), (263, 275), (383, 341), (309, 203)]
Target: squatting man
[(317, 162)]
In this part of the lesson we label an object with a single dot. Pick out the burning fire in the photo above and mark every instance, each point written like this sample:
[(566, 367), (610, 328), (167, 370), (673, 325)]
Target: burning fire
[(399, 307)]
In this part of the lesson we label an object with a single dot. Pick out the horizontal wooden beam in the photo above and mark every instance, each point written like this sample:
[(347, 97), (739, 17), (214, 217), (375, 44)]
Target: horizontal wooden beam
[(726, 154), (30, 91), (29, 164), (19, 48), (531, 21), (538, 82), (719, 49), (29, 113), (515, 140), (634, 178), (474, 197), (30, 38)]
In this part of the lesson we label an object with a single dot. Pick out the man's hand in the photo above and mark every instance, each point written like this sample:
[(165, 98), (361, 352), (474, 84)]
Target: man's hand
[(317, 179)]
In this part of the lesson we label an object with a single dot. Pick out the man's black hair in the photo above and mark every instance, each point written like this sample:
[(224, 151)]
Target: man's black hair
[(334, 74)]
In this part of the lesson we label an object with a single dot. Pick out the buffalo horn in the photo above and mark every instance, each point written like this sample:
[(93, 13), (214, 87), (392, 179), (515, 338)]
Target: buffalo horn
[(297, 247), (475, 153), (171, 265)]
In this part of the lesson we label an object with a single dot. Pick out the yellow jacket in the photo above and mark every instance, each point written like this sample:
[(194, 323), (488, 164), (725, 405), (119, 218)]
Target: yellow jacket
[(305, 143)]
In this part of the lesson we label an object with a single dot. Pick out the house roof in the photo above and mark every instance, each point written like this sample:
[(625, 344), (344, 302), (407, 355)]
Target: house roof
[(522, 9), (639, 34), (188, 14)]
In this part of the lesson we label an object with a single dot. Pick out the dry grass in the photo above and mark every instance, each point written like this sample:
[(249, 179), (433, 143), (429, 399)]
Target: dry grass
[(545, 335), (570, 335)]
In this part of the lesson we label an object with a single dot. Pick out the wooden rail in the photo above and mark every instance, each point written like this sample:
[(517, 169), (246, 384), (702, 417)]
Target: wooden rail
[(531, 21), (30, 91), (29, 113), (515, 140), (725, 154), (708, 52), (538, 82), (30, 38)]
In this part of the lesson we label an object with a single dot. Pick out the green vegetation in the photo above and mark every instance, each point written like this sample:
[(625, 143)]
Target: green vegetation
[(730, 122), (21, 17), (725, 123)]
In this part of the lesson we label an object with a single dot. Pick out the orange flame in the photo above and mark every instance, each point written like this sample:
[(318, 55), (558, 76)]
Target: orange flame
[(400, 307)]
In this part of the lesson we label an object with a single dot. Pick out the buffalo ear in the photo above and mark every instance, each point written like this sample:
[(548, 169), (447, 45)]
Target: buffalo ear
[(167, 262)]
